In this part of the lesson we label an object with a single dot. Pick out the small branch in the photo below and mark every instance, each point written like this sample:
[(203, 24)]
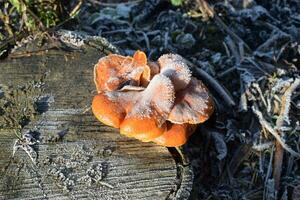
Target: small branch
[(206, 10), (286, 102), (269, 128), (6, 21), (184, 159), (284, 111), (278, 158), (256, 86), (145, 38), (76, 9), (243, 104), (234, 50), (106, 184), (268, 172)]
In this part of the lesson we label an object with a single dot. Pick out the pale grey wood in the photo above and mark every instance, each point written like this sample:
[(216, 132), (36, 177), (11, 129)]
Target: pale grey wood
[(130, 169)]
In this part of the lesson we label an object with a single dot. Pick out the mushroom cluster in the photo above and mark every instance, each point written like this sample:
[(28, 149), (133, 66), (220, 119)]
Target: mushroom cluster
[(150, 101)]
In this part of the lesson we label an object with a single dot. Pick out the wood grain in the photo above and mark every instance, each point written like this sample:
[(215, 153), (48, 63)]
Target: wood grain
[(77, 156)]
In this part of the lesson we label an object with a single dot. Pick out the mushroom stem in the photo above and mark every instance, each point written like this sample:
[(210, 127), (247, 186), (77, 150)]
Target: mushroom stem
[(184, 159)]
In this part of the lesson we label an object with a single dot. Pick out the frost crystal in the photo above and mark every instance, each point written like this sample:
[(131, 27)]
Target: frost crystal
[(157, 98), (192, 104), (174, 67), (70, 37)]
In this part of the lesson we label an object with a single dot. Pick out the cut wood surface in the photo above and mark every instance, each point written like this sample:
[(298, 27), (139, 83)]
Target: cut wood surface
[(75, 156)]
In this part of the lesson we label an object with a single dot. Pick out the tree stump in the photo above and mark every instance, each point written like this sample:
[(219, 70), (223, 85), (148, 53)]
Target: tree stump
[(51, 145)]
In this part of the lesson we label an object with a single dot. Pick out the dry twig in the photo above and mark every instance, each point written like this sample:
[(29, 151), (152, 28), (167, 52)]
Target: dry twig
[(269, 128), (284, 111)]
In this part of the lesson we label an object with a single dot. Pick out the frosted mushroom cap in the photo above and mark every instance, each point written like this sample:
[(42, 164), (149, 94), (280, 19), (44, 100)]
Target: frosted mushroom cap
[(154, 69), (193, 104), (157, 99), (140, 60), (145, 120), (174, 67), (175, 135), (114, 71), (110, 107), (106, 111), (138, 113), (150, 101)]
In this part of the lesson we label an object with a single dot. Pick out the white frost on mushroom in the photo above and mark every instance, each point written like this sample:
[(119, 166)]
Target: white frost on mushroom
[(174, 67), (156, 100), (192, 105)]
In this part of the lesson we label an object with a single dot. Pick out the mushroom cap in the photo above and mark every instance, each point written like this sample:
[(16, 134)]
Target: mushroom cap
[(175, 135), (154, 69), (174, 67), (193, 104), (114, 71), (145, 120), (110, 107), (149, 101), (140, 60), (144, 129), (107, 111)]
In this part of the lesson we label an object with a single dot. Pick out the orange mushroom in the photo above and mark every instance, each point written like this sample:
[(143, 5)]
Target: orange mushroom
[(140, 60), (113, 71), (174, 67), (159, 102), (138, 113), (146, 119), (110, 107), (193, 104), (107, 112), (175, 135), (154, 69)]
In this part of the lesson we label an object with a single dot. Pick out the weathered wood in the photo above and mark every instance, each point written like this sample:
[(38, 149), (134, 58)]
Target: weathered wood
[(78, 157)]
